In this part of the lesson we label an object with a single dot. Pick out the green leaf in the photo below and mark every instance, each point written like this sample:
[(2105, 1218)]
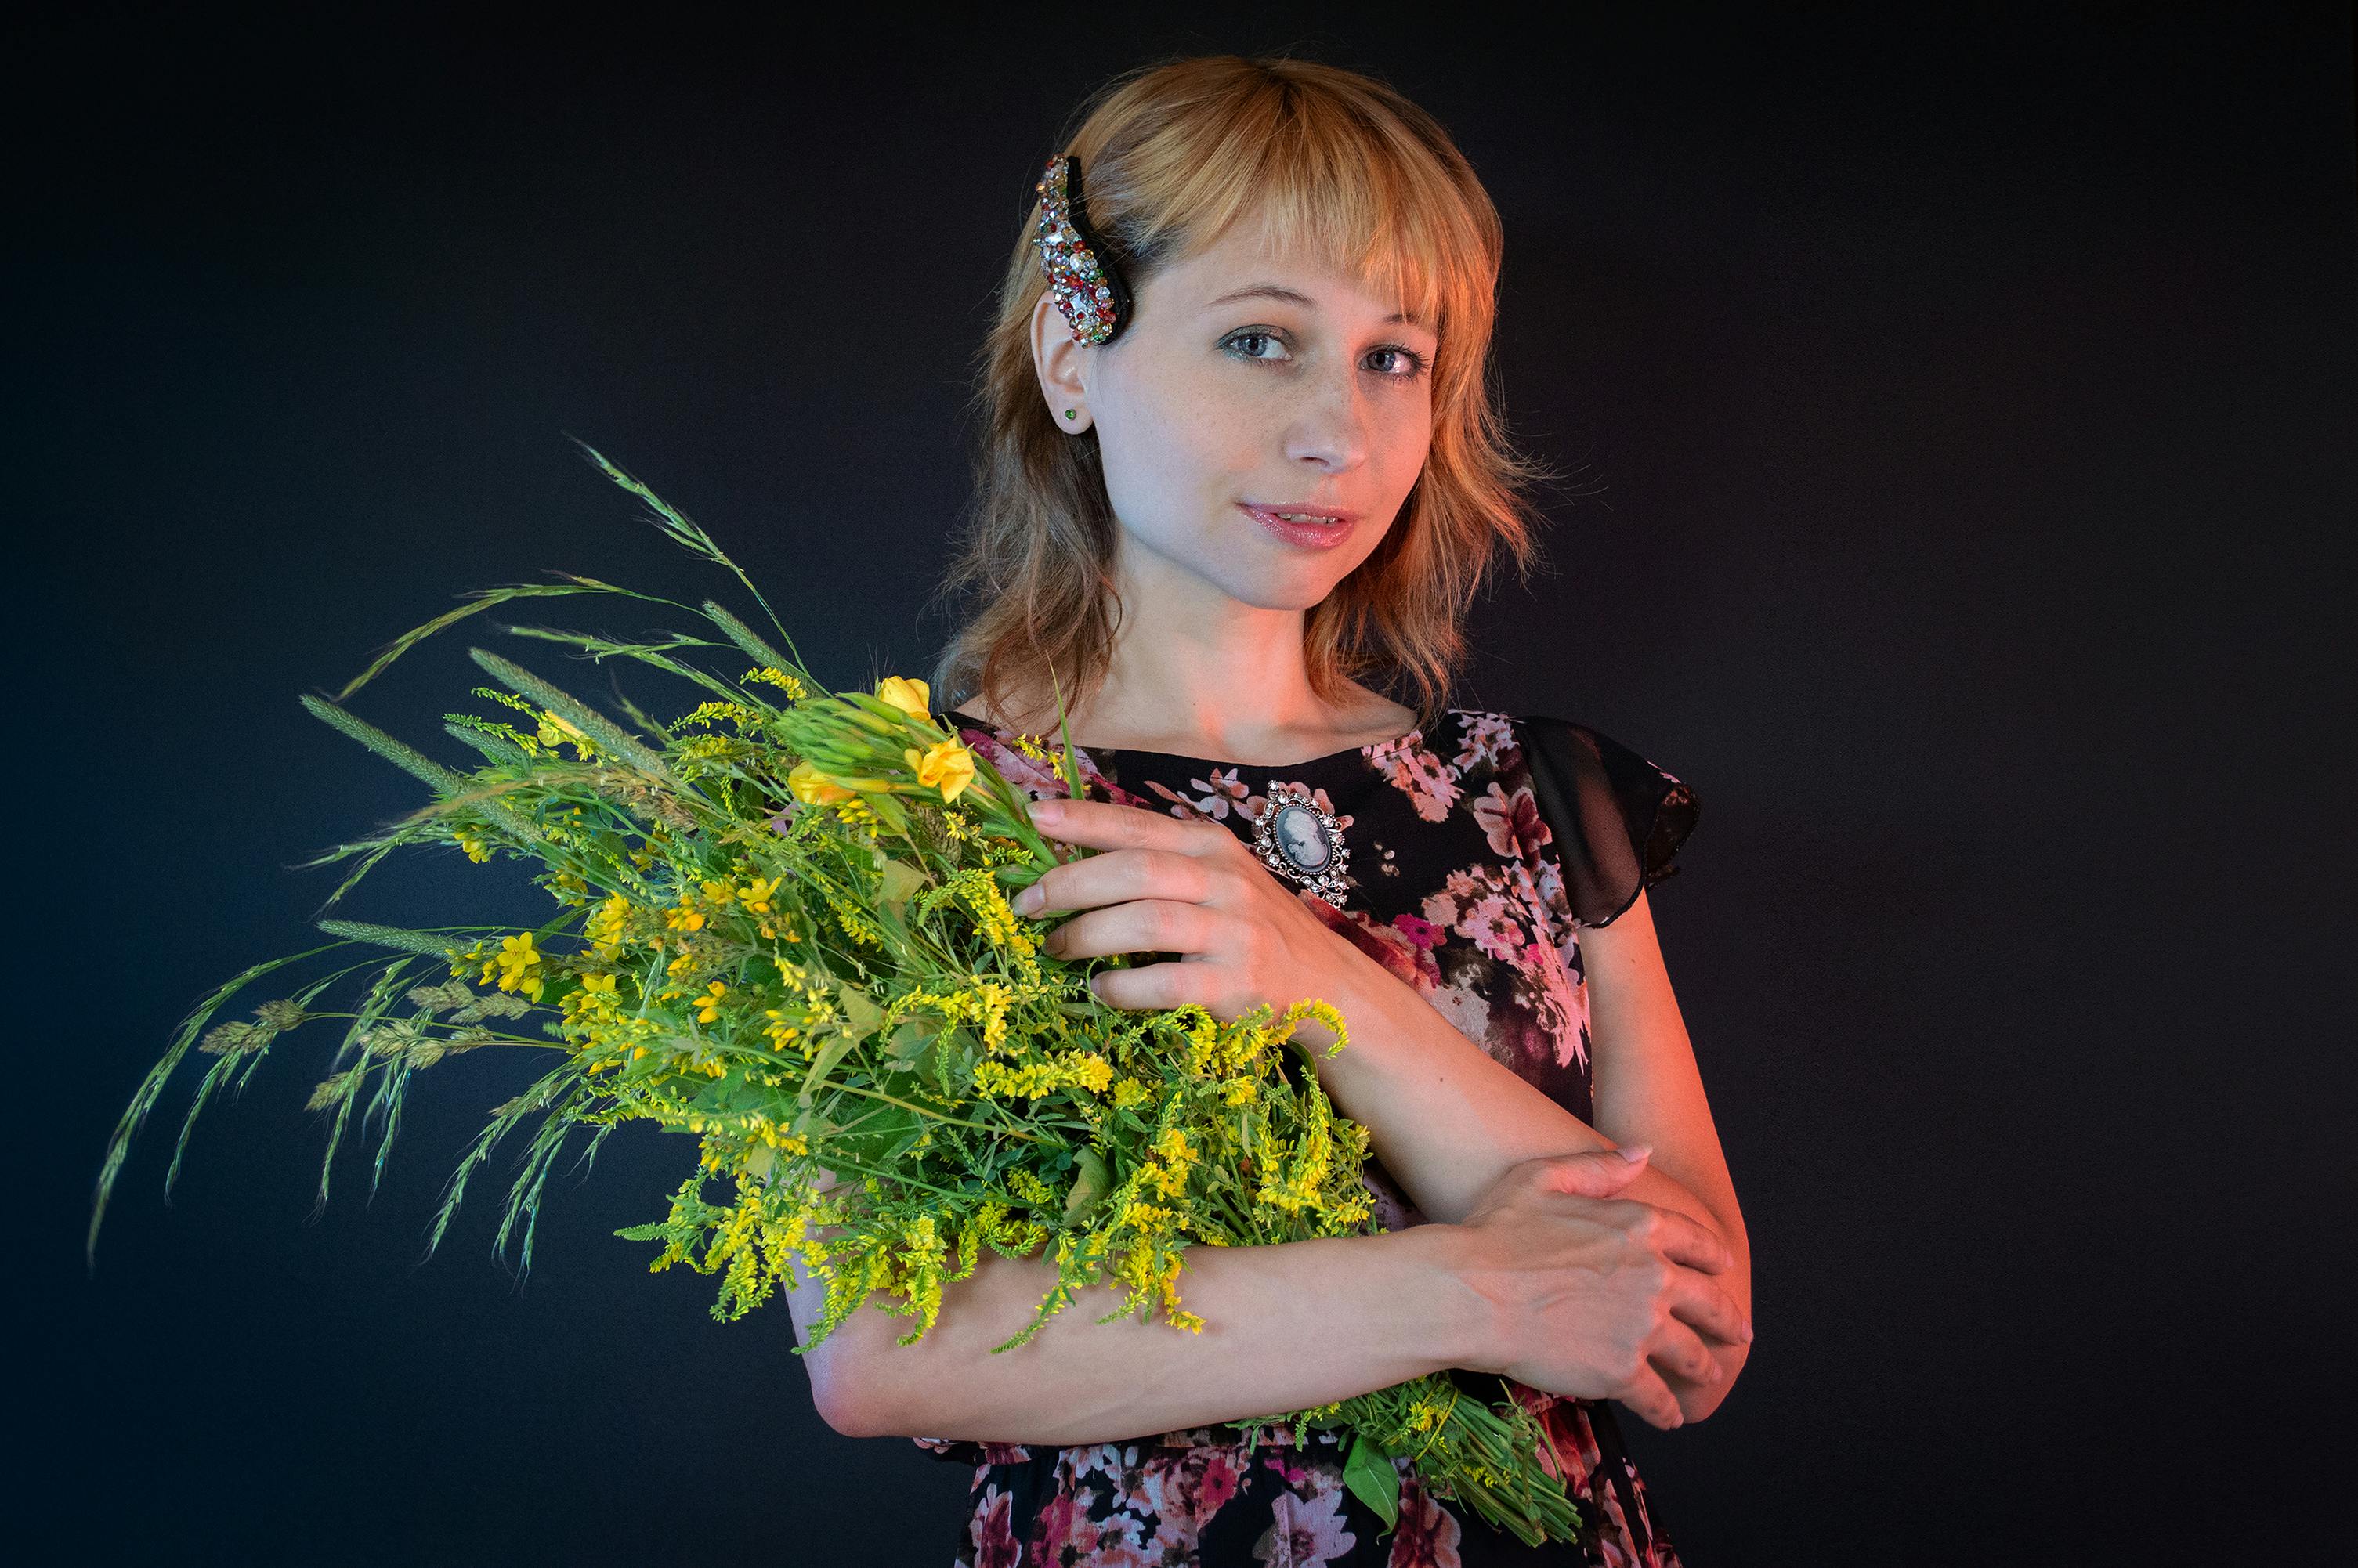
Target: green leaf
[(1090, 1187), (905, 1049), (890, 812), (723, 1097), (824, 1062), (903, 881), (859, 1013), (1370, 1474), (875, 1139), (808, 1123)]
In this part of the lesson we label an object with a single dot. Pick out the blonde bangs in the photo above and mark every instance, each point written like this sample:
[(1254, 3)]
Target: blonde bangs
[(1318, 166)]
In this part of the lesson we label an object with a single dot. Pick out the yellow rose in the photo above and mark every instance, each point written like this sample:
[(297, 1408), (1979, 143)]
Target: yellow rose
[(909, 695), (947, 766)]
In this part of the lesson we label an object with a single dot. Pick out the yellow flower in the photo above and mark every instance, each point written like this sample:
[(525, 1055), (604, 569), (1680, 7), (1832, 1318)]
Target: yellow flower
[(758, 892), (708, 1006), (815, 788), (769, 674), (555, 729), (604, 926), (946, 765), (595, 997), (477, 851), (909, 695), (514, 961)]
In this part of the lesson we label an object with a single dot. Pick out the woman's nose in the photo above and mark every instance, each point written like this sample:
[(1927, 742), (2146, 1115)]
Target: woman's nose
[(1329, 430)]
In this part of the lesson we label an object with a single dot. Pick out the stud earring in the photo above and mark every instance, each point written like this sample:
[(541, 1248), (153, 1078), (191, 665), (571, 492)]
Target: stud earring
[(1069, 413)]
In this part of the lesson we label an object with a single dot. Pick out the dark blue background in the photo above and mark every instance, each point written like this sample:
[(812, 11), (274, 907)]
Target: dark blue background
[(1956, 418)]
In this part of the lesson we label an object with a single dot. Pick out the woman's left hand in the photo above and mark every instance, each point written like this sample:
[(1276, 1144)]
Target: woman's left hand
[(1166, 885)]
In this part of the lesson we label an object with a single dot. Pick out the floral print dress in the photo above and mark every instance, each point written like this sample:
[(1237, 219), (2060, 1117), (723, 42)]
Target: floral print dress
[(1455, 884)]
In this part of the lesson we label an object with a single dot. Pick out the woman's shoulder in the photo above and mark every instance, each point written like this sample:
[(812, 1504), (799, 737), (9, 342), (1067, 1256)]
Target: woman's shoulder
[(1616, 819)]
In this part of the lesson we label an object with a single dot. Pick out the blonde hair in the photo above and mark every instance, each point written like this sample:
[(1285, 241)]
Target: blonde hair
[(1332, 164)]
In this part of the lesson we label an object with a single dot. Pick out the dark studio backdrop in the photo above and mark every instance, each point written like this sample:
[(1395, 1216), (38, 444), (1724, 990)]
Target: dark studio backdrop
[(1956, 416)]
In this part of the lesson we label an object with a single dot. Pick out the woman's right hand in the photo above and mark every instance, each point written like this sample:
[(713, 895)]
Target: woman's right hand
[(1592, 1295)]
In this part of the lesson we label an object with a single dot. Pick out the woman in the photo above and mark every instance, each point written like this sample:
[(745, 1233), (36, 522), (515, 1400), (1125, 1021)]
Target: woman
[(1239, 453)]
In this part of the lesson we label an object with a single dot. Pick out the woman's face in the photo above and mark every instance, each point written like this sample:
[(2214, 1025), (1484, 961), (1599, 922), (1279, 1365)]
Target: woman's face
[(1261, 421)]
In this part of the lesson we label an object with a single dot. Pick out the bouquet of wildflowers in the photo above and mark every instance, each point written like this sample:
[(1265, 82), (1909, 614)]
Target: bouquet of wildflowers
[(783, 930)]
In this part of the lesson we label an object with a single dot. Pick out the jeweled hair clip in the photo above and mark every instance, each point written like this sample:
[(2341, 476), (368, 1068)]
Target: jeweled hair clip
[(1089, 292)]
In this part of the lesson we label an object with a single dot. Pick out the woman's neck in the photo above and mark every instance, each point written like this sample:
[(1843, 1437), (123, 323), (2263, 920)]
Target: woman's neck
[(1238, 723), (1196, 672)]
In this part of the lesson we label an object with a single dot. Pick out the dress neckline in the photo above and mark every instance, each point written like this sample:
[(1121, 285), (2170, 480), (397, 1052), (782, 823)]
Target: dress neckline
[(1372, 750)]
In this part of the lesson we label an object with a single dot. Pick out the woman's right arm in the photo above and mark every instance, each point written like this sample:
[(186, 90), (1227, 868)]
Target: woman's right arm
[(1552, 1281), (1286, 1327)]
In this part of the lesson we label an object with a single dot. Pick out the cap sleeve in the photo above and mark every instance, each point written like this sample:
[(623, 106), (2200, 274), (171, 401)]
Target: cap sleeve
[(1617, 819)]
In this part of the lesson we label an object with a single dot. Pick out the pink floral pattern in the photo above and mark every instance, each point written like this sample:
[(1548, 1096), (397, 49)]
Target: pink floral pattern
[(1457, 889)]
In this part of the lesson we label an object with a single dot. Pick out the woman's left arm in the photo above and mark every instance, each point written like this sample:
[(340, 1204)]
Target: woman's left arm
[(1647, 1089), (1448, 1119)]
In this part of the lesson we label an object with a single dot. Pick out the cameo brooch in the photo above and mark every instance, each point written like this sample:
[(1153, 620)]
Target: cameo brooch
[(1300, 839)]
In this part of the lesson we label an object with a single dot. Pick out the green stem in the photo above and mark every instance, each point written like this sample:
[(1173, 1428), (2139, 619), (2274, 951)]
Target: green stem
[(1002, 1131)]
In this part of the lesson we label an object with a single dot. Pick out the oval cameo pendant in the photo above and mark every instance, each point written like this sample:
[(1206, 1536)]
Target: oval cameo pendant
[(1300, 839)]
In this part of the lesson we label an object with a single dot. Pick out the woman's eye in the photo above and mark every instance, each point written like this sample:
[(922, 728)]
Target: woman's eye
[(1256, 345), (1403, 363)]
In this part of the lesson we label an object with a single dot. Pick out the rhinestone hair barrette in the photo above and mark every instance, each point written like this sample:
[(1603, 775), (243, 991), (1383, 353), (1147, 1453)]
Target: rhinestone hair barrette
[(1088, 293)]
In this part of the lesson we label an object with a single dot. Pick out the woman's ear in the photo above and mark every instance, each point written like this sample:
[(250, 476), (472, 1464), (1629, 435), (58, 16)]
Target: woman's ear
[(1058, 360)]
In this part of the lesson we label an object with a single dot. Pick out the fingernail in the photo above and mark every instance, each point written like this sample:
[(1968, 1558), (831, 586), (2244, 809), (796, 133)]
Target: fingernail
[(1028, 902), (1045, 811), (1633, 1153)]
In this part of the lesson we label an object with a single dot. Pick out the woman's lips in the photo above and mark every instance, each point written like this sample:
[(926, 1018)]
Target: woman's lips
[(1313, 527)]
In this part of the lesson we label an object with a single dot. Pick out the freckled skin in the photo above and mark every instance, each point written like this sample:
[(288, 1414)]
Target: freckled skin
[(1191, 420)]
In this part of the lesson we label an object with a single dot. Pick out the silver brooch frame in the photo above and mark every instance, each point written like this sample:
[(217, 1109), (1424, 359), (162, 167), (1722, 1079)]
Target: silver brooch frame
[(1299, 840)]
